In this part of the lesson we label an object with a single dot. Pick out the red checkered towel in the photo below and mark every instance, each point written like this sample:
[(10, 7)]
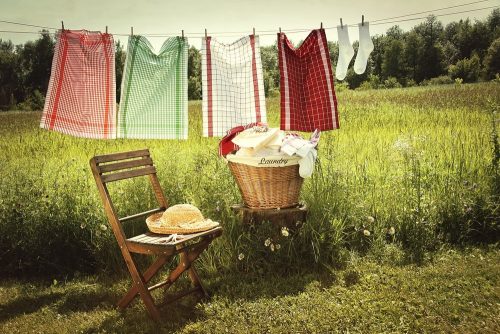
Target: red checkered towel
[(80, 99), (308, 99)]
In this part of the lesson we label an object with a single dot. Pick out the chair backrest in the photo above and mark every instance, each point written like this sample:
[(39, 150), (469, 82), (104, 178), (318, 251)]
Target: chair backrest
[(120, 166)]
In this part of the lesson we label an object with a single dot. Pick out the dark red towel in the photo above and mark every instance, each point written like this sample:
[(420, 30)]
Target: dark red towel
[(308, 99)]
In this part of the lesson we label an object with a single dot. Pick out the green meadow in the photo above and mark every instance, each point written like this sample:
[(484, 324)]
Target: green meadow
[(402, 232)]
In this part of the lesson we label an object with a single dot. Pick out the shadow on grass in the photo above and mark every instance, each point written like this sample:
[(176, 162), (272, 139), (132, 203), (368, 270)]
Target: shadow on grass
[(27, 305), (252, 286)]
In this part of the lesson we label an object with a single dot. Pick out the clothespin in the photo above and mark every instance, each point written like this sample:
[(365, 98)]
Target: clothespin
[(280, 30), (131, 31), (362, 20), (254, 31), (205, 33), (62, 25), (106, 29), (182, 34), (341, 24), (321, 27)]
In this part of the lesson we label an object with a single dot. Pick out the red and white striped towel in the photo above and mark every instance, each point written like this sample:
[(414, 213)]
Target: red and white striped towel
[(80, 98), (308, 99), (233, 86)]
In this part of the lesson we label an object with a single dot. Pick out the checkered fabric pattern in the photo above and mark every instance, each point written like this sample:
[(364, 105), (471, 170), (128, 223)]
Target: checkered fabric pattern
[(233, 86), (308, 99), (80, 98), (154, 97)]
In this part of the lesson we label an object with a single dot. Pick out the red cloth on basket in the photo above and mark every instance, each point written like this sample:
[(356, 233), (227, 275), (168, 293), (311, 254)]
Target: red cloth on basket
[(308, 99), (80, 98), (226, 145)]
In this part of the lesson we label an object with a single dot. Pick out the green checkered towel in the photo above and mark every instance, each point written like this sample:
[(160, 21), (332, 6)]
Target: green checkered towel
[(154, 98)]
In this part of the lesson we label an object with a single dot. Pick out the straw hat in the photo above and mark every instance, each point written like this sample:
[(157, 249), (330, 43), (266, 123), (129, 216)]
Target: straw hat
[(181, 219)]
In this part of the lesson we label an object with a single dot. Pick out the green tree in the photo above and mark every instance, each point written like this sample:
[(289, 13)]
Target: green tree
[(466, 69), (412, 55), (431, 64), (35, 64), (377, 55), (270, 67), (492, 59), (392, 64), (120, 56), (9, 76), (194, 74), (493, 23)]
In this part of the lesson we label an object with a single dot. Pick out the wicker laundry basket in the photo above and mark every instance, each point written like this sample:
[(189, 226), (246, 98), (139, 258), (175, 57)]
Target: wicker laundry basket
[(267, 187)]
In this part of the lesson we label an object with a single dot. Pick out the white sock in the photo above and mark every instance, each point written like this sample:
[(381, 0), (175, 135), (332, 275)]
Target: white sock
[(346, 51), (364, 50)]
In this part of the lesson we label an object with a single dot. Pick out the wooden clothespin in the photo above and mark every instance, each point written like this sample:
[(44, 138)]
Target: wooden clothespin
[(131, 31), (62, 25), (106, 29), (182, 34), (280, 30), (362, 20), (321, 27), (254, 31), (205, 33), (341, 24)]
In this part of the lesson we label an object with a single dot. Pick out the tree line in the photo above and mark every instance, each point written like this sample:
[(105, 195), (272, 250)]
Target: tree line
[(430, 53)]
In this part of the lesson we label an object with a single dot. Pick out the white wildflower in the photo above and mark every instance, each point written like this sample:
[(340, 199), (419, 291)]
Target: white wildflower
[(278, 246), (391, 231), (103, 227), (241, 256), (370, 219), (285, 232), (267, 242), (272, 247), (366, 233)]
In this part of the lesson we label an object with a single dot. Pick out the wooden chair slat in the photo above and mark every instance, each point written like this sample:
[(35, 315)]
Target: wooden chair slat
[(125, 164), (142, 214), (139, 248), (128, 174), (121, 156)]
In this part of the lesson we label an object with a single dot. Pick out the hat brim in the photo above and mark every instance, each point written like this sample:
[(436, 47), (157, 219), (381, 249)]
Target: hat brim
[(155, 225)]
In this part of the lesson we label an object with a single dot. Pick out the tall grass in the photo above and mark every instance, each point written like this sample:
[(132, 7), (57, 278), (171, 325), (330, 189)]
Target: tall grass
[(409, 170)]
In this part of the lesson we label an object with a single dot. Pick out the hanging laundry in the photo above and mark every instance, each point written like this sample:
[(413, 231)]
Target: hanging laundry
[(308, 99), (80, 98), (153, 102), (233, 86), (365, 48), (346, 52)]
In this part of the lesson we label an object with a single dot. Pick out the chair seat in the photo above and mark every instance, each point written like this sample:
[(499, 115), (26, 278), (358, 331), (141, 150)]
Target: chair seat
[(149, 242)]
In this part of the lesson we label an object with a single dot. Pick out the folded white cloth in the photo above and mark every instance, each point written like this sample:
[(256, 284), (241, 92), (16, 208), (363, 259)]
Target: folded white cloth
[(306, 149), (263, 152), (306, 164)]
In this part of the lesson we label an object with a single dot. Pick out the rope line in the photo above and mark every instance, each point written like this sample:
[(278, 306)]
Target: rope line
[(273, 32)]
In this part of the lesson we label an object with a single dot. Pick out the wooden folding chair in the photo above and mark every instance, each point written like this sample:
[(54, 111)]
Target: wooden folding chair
[(120, 166)]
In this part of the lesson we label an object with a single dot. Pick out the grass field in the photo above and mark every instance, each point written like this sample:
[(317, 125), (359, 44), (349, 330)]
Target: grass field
[(411, 172), (419, 162), (457, 293)]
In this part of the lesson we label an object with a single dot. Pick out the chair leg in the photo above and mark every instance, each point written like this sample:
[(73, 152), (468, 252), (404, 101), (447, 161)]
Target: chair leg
[(195, 279), (148, 274), (140, 285)]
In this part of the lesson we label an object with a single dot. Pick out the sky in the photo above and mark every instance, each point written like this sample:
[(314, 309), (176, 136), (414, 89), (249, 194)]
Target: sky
[(170, 17)]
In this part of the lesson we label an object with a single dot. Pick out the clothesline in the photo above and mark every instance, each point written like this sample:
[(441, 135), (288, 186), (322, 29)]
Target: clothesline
[(273, 32)]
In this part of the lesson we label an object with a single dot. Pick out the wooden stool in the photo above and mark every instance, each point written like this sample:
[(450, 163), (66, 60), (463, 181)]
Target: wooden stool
[(289, 217)]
